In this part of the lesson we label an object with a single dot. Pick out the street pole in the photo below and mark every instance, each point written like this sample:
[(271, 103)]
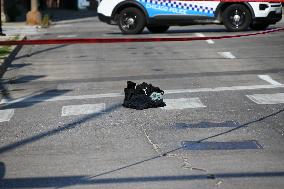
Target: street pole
[(1, 31), (34, 16)]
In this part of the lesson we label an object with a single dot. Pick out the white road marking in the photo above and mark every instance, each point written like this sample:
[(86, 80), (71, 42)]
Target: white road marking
[(209, 41), (30, 99), (219, 89), (62, 25), (67, 36), (83, 109), (182, 103), (268, 79), (227, 55), (6, 115), (277, 98)]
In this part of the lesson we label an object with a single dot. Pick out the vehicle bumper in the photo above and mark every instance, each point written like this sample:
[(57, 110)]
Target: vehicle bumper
[(104, 18), (272, 18)]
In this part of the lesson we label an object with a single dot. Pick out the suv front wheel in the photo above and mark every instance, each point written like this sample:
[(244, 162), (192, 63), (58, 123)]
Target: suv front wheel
[(131, 21), (236, 17)]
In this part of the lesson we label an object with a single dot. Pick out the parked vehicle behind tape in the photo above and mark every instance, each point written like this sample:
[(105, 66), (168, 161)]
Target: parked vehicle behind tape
[(132, 16)]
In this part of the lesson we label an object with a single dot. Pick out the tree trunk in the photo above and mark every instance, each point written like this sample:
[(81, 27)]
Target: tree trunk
[(34, 16), (4, 17)]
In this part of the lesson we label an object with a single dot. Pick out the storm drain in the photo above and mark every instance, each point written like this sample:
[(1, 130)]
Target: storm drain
[(234, 145)]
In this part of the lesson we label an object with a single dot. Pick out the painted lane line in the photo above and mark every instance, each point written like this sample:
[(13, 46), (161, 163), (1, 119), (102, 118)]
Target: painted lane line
[(67, 36), (277, 98), (220, 89), (6, 115), (49, 98), (83, 109), (227, 55), (268, 79), (182, 103), (63, 26), (209, 41)]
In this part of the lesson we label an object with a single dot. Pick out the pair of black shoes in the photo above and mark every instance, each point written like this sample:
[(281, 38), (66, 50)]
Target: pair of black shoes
[(143, 96)]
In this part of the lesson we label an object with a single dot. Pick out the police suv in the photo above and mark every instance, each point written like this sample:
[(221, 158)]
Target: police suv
[(158, 15)]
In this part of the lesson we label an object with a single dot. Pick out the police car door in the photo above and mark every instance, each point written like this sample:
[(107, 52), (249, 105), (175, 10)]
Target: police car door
[(177, 10)]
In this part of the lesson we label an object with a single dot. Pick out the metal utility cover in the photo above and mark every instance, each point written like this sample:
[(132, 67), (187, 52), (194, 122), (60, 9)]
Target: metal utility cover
[(233, 145)]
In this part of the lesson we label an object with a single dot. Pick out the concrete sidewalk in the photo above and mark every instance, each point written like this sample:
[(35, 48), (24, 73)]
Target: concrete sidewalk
[(19, 28)]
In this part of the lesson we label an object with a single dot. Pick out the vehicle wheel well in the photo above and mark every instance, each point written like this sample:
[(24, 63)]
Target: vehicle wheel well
[(119, 8), (223, 6)]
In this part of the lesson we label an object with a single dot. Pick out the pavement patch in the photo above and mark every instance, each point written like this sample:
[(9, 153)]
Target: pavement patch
[(233, 145), (183, 103), (277, 98), (6, 115), (83, 109), (206, 125)]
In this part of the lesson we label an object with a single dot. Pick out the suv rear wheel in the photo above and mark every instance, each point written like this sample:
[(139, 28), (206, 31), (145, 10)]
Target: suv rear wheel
[(236, 17), (131, 21)]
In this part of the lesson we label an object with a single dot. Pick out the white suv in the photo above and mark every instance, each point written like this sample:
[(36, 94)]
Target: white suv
[(158, 15)]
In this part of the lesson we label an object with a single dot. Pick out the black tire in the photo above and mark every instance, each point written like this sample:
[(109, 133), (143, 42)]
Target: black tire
[(131, 21), (158, 29), (261, 26), (236, 17)]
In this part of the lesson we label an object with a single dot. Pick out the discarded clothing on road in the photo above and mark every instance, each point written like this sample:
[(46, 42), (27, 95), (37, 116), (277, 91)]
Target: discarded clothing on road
[(143, 96)]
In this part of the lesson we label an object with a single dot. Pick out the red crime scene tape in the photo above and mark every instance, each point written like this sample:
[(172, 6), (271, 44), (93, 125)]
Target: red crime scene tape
[(129, 40)]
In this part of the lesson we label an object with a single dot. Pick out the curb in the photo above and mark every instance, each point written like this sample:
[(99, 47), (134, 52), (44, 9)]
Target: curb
[(7, 60)]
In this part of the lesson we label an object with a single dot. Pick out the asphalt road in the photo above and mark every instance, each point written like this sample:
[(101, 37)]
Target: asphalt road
[(63, 126)]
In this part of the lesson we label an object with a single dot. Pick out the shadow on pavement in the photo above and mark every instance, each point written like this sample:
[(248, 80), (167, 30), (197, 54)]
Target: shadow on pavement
[(179, 31), (168, 76), (69, 15), (2, 171), (57, 130), (25, 79), (64, 181), (75, 180), (4, 91), (17, 66), (39, 52), (32, 99)]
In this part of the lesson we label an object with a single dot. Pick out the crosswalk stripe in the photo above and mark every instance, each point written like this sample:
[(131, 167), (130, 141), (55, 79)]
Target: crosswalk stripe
[(52, 98), (6, 115), (209, 41), (277, 98), (182, 103), (268, 79), (227, 55), (83, 109)]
